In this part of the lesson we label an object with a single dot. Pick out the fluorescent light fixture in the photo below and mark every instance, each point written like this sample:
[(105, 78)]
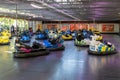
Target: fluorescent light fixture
[(36, 6), (4, 10), (58, 0), (54, 8), (79, 0), (12, 1)]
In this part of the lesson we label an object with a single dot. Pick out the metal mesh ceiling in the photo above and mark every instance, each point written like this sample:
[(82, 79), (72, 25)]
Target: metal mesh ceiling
[(104, 10)]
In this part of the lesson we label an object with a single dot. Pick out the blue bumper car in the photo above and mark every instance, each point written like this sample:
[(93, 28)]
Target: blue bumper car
[(41, 36), (53, 45), (54, 42), (86, 33), (74, 34), (25, 37)]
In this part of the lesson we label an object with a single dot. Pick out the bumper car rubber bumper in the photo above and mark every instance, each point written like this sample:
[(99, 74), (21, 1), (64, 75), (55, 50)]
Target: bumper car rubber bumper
[(67, 38), (81, 45), (24, 41), (31, 54), (7, 43), (40, 38), (102, 53), (56, 49)]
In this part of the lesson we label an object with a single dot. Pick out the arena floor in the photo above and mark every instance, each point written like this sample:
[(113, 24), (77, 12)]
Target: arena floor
[(71, 64)]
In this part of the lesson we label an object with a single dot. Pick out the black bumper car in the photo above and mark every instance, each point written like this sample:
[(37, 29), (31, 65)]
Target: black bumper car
[(82, 40), (23, 51)]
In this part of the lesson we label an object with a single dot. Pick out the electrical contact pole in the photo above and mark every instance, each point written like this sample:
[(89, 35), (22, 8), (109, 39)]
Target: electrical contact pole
[(16, 19)]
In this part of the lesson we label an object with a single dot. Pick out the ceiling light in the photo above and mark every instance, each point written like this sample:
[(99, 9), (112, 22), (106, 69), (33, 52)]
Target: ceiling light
[(58, 0), (11, 1), (78, 0), (54, 8), (36, 6)]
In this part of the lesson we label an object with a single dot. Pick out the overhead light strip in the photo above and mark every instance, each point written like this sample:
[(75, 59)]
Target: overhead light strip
[(60, 11), (36, 6), (4, 10)]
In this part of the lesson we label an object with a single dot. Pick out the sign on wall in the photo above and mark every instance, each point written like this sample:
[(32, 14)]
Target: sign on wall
[(108, 28), (52, 26), (78, 26), (84, 26), (81, 26), (64, 28), (72, 27)]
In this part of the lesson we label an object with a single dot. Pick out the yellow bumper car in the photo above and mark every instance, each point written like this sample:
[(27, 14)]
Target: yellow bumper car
[(4, 40), (6, 33), (98, 35), (96, 32), (99, 38), (67, 37)]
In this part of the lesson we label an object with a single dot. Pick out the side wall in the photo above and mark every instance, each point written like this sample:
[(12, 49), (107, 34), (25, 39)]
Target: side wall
[(99, 26)]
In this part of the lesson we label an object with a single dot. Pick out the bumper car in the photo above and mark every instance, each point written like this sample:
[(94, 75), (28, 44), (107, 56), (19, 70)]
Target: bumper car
[(52, 46), (6, 33), (41, 36), (67, 35), (81, 41), (25, 37), (88, 34), (99, 38), (4, 40), (85, 33), (54, 42), (4, 37), (23, 51), (98, 35), (96, 32), (101, 48), (74, 34)]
